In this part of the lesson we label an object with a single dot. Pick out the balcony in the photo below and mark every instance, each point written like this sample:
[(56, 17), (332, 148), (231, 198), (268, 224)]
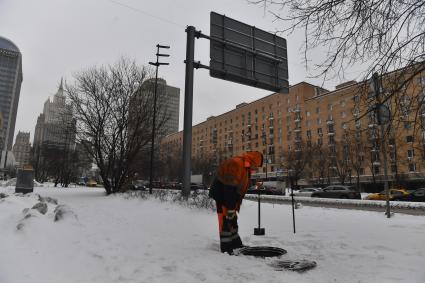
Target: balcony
[(297, 130), (372, 125), (331, 133), (330, 122), (297, 109), (297, 119), (376, 163), (374, 150)]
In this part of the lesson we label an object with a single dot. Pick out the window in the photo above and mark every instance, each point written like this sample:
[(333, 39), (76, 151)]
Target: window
[(410, 153), (393, 168), (309, 134), (343, 114), (376, 170), (407, 125), (409, 139), (317, 110), (412, 167), (330, 106), (307, 113), (342, 103), (358, 124), (319, 121), (319, 131), (344, 126), (356, 98)]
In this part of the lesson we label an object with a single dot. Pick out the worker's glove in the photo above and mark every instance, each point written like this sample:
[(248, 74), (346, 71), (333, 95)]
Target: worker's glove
[(231, 220)]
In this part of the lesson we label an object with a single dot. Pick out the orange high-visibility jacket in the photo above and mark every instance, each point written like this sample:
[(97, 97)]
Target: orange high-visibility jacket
[(235, 171)]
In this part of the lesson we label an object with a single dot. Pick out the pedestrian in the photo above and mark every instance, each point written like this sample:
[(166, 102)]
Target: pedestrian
[(230, 184)]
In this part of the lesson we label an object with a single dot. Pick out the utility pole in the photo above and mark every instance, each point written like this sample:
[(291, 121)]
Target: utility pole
[(156, 64), (382, 113)]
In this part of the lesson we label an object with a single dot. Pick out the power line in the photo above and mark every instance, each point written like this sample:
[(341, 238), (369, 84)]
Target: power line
[(148, 14)]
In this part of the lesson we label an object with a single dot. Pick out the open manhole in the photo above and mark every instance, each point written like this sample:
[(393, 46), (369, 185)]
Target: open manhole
[(262, 251)]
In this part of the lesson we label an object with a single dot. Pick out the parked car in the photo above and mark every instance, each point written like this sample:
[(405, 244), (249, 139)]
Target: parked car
[(174, 185), (197, 186), (91, 183), (394, 195), (306, 192), (140, 185), (337, 191), (416, 195), (158, 185), (267, 188)]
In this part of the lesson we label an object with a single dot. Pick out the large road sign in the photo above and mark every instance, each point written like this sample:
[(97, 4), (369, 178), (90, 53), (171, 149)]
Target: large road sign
[(247, 55)]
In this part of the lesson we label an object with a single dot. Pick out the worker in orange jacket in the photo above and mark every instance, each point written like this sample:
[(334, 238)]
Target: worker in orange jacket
[(228, 189)]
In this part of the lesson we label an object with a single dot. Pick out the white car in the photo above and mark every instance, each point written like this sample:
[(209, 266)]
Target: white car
[(305, 192)]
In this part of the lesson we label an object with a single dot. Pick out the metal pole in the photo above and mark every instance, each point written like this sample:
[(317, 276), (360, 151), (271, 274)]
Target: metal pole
[(153, 124), (293, 207), (259, 210), (188, 106), (386, 187), (377, 88)]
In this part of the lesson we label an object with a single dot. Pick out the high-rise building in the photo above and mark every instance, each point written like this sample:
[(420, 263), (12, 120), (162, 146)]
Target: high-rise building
[(56, 125), (10, 87), (21, 148), (168, 103)]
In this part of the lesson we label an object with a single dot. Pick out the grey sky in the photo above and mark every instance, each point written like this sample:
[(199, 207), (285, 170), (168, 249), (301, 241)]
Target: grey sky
[(60, 37)]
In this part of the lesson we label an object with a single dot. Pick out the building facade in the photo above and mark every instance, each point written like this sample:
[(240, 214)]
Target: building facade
[(331, 136), (21, 149), (55, 126), (10, 87), (168, 104)]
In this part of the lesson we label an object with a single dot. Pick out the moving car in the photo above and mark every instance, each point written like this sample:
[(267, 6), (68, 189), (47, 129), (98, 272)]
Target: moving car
[(395, 194), (306, 192), (416, 195), (337, 191)]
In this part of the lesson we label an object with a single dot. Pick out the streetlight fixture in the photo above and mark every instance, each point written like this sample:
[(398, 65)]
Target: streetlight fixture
[(156, 64)]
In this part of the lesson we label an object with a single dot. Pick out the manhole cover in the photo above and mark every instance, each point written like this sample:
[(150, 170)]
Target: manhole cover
[(262, 251)]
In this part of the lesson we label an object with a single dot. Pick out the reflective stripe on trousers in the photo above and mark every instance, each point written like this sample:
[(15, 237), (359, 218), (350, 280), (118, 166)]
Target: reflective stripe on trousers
[(229, 240)]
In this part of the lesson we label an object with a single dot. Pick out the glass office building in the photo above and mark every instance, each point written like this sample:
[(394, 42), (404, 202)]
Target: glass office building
[(10, 87)]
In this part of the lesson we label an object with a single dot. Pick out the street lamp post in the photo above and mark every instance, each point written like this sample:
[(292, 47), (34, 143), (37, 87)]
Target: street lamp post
[(156, 64), (264, 138), (383, 115)]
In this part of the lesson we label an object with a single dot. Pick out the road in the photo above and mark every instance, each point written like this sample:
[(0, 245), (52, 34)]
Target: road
[(342, 205)]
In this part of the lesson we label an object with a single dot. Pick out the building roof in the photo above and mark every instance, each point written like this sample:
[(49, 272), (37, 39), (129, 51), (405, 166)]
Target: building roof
[(8, 45)]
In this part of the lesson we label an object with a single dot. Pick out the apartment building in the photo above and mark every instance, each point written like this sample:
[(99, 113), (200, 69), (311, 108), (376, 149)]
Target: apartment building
[(338, 129)]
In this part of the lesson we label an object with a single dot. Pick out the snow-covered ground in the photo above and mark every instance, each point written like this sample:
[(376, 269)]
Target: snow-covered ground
[(112, 239)]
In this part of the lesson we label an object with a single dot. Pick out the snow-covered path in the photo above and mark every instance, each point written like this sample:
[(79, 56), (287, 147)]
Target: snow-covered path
[(112, 239)]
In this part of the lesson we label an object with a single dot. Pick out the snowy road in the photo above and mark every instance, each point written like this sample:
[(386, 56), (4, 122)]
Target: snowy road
[(112, 239)]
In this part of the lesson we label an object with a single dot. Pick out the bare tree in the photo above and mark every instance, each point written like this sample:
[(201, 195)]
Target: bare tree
[(383, 35), (114, 118), (295, 161)]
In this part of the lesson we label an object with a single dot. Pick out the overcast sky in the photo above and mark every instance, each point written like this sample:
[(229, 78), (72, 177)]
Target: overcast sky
[(60, 37)]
